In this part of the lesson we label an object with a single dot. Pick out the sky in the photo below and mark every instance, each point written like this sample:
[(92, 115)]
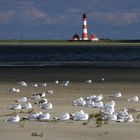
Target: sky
[(60, 19)]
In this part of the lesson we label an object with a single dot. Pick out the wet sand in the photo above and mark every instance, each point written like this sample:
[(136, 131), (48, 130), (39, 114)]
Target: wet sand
[(125, 80)]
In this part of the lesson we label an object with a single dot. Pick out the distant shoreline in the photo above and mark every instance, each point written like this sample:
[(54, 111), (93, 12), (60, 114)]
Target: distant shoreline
[(69, 43)]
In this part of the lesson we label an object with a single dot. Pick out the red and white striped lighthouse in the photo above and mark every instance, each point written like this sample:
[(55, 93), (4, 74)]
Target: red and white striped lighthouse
[(84, 33)]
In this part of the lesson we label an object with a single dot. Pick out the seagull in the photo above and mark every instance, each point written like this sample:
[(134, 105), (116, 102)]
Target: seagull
[(79, 102), (35, 96), (26, 106), (14, 90), (38, 95), (64, 117), (116, 95), (133, 99), (44, 116), (56, 82), (50, 91), (22, 83), (122, 114), (128, 118), (107, 110), (110, 104), (46, 106), (80, 116), (43, 101), (42, 95), (95, 98), (99, 104), (22, 100), (88, 81), (65, 83), (31, 116), (35, 85), (98, 98), (90, 97), (13, 119), (90, 103), (44, 84), (14, 107), (110, 117), (102, 79)]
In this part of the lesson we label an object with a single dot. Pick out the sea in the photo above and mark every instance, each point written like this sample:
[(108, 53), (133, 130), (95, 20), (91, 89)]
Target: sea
[(73, 56)]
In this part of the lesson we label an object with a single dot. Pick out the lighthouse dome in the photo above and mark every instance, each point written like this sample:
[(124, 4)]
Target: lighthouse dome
[(93, 37), (76, 37)]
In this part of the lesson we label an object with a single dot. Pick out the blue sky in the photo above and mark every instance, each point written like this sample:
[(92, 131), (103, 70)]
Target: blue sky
[(60, 19)]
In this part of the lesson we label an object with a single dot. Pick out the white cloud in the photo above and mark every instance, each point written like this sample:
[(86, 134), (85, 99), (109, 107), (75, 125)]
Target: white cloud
[(19, 11), (6, 16), (117, 18), (33, 15), (31, 11)]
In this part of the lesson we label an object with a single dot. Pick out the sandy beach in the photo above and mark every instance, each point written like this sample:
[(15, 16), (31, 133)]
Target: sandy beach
[(127, 81)]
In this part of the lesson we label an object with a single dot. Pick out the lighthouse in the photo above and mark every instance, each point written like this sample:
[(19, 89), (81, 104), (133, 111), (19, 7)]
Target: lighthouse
[(84, 32), (85, 36)]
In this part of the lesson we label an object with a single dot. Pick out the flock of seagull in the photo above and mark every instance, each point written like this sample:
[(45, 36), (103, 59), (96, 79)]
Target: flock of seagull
[(106, 110)]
